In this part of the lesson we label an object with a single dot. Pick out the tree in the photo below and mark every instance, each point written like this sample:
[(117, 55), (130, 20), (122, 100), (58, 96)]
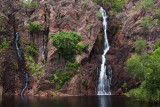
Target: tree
[(146, 68), (34, 27), (140, 46), (66, 43)]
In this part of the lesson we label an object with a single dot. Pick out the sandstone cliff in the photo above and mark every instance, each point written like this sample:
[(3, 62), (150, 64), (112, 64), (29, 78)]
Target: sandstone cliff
[(74, 15)]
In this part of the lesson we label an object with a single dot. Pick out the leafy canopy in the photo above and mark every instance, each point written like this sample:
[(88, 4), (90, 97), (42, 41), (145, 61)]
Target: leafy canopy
[(32, 49), (34, 27), (66, 43), (140, 46), (146, 67)]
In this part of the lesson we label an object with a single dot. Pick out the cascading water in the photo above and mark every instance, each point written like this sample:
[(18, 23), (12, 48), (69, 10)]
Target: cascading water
[(104, 81), (25, 75)]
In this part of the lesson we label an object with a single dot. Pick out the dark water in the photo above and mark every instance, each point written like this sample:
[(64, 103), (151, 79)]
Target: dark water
[(82, 101)]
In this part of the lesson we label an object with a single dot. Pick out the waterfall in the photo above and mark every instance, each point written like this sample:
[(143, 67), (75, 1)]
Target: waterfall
[(104, 81), (25, 75)]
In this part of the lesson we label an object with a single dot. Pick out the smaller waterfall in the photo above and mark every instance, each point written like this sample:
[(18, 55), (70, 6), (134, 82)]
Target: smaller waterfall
[(25, 75), (104, 81)]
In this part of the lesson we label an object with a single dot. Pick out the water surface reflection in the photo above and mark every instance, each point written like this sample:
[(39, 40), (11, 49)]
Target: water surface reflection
[(75, 101)]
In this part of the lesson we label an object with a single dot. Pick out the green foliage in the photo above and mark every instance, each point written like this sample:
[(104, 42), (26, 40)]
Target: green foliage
[(99, 15), (2, 24), (124, 86), (147, 4), (34, 27), (145, 95), (140, 46), (30, 3), (55, 93), (135, 66), (6, 7), (100, 36), (61, 78), (33, 66), (158, 15), (73, 67), (114, 31), (65, 77), (146, 67), (32, 49), (5, 44), (146, 23), (85, 83), (116, 5), (80, 48), (157, 45), (66, 43), (56, 76), (85, 3)]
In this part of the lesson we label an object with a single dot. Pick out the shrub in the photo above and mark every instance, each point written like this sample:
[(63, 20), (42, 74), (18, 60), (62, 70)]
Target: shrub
[(85, 83), (146, 68), (33, 66), (56, 76), (99, 15), (65, 77), (145, 95), (73, 67), (99, 36), (157, 45), (2, 24), (85, 3), (124, 86), (66, 43), (116, 5), (34, 27), (81, 48), (61, 78), (146, 23), (140, 46), (32, 49), (135, 66), (158, 15), (30, 3), (5, 44), (147, 4)]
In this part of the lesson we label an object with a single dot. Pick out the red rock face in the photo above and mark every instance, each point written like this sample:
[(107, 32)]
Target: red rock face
[(78, 16), (122, 44)]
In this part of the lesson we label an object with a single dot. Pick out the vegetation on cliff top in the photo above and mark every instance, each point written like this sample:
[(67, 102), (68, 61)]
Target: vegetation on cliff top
[(115, 5)]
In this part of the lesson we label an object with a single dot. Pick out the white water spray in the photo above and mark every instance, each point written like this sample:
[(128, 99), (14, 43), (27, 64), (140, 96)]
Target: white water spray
[(104, 81)]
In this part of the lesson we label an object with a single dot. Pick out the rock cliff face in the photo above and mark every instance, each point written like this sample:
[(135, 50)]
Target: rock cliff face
[(54, 16), (73, 15), (122, 44)]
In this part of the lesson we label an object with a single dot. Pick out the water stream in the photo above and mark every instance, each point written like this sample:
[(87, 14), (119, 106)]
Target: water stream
[(104, 81), (25, 75)]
